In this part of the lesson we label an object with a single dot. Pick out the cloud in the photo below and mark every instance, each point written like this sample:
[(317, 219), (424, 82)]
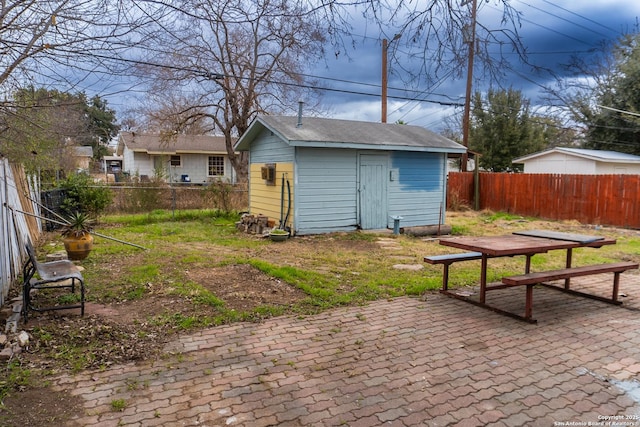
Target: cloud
[(551, 32)]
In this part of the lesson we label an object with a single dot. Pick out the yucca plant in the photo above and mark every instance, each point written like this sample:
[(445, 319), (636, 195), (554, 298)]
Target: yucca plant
[(77, 224)]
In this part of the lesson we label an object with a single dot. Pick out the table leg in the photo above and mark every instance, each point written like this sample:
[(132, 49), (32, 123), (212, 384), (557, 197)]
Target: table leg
[(528, 308), (527, 265), (567, 282), (483, 278), (445, 278), (616, 286)]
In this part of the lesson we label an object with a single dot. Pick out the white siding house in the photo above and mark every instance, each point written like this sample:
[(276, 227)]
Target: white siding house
[(183, 158), (577, 161), (317, 175)]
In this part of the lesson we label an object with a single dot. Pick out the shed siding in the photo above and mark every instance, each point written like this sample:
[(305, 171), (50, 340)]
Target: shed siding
[(265, 199), (604, 168), (560, 163), (271, 149), (325, 190), (416, 189)]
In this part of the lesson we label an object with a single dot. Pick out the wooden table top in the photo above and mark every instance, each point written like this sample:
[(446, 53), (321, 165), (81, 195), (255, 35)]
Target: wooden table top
[(513, 244), (558, 235)]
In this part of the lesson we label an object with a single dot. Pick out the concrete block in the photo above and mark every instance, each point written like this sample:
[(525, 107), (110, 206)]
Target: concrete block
[(12, 323), (6, 353), (23, 339), (56, 256)]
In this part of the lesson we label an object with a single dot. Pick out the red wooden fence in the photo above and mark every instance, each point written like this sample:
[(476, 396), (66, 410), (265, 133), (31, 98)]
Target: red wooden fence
[(590, 199)]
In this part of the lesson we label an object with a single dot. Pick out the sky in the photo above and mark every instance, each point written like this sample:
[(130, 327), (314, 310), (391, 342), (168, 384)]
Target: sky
[(552, 31)]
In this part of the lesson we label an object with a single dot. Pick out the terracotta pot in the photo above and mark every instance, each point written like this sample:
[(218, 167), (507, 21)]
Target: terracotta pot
[(78, 248), (278, 237)]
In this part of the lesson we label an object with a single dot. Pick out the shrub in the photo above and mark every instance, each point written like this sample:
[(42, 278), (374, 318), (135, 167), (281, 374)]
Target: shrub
[(221, 192), (82, 194)]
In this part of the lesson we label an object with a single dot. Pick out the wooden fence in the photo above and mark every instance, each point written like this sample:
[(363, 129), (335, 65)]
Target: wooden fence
[(590, 199), (16, 228)]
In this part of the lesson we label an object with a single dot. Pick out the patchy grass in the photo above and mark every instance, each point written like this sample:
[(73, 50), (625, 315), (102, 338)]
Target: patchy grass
[(176, 284), (16, 377), (334, 270)]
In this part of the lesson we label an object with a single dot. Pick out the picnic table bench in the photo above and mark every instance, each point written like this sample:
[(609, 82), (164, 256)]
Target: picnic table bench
[(50, 275), (540, 278), (448, 259), (527, 243)]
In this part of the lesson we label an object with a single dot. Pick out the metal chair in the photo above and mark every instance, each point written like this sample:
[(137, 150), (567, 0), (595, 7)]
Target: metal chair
[(50, 275)]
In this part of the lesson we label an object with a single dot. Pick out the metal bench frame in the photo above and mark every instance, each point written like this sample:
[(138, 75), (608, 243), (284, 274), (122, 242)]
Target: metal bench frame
[(51, 275)]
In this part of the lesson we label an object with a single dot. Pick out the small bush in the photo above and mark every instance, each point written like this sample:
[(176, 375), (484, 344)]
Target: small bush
[(82, 194), (221, 193)]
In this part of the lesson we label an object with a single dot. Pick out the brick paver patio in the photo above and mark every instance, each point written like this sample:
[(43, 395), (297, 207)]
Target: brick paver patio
[(401, 362)]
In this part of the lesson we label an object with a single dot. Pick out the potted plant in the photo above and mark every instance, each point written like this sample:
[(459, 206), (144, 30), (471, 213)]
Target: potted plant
[(77, 237), (278, 235)]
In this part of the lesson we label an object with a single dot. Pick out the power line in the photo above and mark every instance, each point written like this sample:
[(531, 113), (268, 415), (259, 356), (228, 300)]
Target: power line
[(217, 76), (563, 19), (619, 111), (581, 16)]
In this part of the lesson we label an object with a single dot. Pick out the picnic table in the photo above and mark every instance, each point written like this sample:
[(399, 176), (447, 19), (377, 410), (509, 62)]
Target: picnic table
[(529, 243)]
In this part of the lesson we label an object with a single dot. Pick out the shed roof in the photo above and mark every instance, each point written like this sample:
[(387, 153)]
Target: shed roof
[(180, 144), (597, 155), (83, 151), (333, 133)]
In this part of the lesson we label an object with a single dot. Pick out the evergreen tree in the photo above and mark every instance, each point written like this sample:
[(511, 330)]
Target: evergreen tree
[(502, 128)]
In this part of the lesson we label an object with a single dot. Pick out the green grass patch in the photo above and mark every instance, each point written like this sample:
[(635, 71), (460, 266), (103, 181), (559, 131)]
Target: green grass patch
[(14, 378), (331, 270), (503, 216), (118, 405), (197, 293)]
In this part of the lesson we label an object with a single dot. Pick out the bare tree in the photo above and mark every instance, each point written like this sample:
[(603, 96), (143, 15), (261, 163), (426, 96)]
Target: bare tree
[(439, 33), (602, 96), (62, 42), (224, 62), (63, 45), (227, 61)]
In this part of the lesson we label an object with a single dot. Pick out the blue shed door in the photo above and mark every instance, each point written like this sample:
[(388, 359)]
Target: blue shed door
[(373, 191)]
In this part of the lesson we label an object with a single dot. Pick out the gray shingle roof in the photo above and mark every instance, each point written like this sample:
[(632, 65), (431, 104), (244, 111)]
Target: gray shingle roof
[(321, 132), (83, 151), (159, 144)]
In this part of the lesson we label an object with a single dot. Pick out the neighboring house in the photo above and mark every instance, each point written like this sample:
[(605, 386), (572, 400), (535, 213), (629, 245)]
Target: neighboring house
[(83, 155), (112, 164), (579, 161), (183, 158), (323, 175)]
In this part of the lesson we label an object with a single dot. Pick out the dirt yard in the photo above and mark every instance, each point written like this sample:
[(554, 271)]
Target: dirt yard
[(122, 332)]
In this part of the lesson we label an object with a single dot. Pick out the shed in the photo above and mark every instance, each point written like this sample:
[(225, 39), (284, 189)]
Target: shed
[(83, 155), (578, 161), (318, 175)]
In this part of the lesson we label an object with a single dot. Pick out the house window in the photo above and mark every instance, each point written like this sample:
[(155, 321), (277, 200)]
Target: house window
[(216, 165), (176, 161)]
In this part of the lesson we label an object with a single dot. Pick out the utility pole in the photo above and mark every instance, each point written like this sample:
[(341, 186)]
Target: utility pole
[(385, 78), (470, 37), (385, 47)]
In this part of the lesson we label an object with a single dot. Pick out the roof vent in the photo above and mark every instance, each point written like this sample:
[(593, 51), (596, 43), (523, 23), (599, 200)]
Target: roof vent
[(300, 104)]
